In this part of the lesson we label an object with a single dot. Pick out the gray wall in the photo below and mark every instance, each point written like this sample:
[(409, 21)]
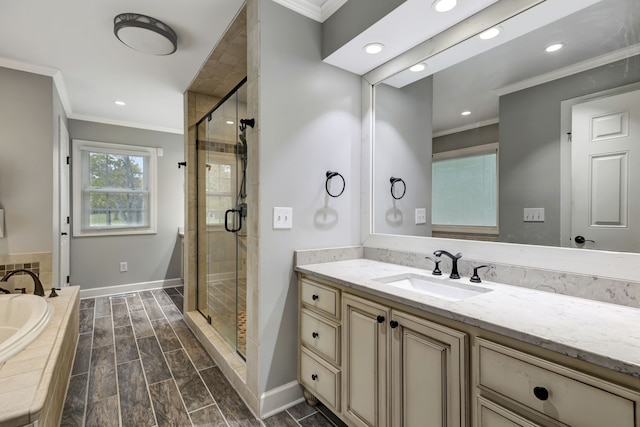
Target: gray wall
[(403, 149), (26, 166), (466, 139), (309, 124), (530, 148), (95, 261)]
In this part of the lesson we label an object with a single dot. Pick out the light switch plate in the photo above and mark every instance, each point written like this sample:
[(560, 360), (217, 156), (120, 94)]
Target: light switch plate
[(421, 216), (282, 218), (533, 214)]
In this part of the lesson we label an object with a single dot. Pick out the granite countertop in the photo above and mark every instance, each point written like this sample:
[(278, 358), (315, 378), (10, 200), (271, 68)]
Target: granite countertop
[(606, 335)]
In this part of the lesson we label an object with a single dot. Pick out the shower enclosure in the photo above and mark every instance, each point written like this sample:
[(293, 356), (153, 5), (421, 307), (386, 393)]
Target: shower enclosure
[(222, 214)]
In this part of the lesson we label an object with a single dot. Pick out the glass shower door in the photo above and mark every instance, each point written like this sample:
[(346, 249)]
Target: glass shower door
[(222, 214)]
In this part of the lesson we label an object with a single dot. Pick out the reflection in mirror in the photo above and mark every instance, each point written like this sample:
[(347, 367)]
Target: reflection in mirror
[(526, 146)]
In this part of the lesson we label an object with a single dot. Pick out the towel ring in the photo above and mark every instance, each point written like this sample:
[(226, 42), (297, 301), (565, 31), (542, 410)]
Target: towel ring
[(326, 184), (393, 184)]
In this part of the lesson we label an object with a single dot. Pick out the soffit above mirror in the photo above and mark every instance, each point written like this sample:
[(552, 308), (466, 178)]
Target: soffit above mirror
[(409, 24)]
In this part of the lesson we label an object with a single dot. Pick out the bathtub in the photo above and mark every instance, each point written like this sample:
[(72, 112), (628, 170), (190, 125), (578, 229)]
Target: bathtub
[(22, 318)]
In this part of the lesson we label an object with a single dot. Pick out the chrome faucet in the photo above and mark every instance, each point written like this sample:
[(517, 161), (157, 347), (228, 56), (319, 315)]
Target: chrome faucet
[(454, 261), (37, 290)]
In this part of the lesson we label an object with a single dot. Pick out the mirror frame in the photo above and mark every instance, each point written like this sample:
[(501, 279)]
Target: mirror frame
[(614, 265)]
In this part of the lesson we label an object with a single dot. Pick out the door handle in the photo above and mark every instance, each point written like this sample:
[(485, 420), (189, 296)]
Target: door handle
[(226, 220), (581, 240)]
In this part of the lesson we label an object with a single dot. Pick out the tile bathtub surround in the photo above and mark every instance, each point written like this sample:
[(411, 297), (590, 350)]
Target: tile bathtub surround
[(39, 263), (578, 285), (33, 382), (137, 363)]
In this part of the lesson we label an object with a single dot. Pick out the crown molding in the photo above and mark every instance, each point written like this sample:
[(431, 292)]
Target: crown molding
[(55, 74), (105, 121), (310, 10), (579, 67), (475, 125)]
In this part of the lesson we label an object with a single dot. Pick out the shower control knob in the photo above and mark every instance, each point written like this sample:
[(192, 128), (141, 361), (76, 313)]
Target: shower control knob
[(314, 377), (315, 335), (314, 297)]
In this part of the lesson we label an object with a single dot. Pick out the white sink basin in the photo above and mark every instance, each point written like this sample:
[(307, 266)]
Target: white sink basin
[(440, 288)]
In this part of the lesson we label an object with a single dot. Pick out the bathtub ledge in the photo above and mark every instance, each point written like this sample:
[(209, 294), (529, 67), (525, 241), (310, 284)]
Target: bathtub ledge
[(34, 381)]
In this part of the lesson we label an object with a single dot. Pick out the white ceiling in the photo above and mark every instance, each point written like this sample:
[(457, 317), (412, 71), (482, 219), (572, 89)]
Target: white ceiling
[(73, 41)]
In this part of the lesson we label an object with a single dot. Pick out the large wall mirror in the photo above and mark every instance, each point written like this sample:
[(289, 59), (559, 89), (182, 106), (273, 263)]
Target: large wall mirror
[(497, 139)]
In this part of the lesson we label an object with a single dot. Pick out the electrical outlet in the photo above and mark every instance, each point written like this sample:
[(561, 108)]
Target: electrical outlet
[(421, 216), (123, 267), (282, 218)]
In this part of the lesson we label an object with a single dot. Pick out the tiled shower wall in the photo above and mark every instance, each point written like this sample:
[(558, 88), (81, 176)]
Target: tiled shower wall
[(39, 263)]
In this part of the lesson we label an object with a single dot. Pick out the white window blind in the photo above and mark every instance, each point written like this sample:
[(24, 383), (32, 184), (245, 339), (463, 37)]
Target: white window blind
[(465, 189)]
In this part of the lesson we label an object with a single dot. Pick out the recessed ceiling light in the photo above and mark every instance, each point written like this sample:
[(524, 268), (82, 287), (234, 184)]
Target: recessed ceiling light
[(120, 103), (229, 122), (418, 67), (373, 48), (490, 33), (444, 5), (554, 47), (465, 113)]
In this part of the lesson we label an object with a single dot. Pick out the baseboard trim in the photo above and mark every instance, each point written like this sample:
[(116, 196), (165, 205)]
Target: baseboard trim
[(280, 398), (130, 287)]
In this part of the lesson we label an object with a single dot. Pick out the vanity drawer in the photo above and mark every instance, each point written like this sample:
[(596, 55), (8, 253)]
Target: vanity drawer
[(558, 392), (321, 335), (320, 378), (322, 298), (491, 415)]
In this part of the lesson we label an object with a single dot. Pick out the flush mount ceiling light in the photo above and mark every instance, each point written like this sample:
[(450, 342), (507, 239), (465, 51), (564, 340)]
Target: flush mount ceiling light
[(490, 33), (465, 113), (444, 5), (145, 34), (418, 67), (373, 48), (554, 47), (120, 103)]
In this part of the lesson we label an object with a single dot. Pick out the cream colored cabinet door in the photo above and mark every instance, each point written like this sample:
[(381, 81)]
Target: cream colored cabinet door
[(428, 378), (366, 347)]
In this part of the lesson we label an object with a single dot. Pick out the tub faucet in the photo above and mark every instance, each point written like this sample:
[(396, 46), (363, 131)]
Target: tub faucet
[(454, 261), (4, 291), (37, 290)]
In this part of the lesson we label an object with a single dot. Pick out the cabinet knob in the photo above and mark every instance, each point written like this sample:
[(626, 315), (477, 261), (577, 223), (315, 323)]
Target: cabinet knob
[(380, 319), (393, 324), (315, 335), (541, 393), (314, 377), (314, 297)]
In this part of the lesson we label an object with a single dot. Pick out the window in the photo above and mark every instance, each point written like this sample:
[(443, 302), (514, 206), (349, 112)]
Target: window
[(465, 190), (114, 189), (219, 187)]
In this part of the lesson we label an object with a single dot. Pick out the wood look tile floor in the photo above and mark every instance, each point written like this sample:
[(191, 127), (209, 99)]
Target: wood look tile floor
[(138, 364)]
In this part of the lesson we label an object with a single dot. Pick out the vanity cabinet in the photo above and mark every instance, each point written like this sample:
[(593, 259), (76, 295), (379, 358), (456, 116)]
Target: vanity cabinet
[(536, 389), (388, 368), (319, 351)]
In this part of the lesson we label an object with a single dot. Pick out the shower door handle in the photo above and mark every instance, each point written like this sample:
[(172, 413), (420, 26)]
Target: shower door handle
[(226, 220)]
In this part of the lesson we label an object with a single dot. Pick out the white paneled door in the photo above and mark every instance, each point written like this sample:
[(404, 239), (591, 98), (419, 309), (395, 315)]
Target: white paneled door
[(605, 173)]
